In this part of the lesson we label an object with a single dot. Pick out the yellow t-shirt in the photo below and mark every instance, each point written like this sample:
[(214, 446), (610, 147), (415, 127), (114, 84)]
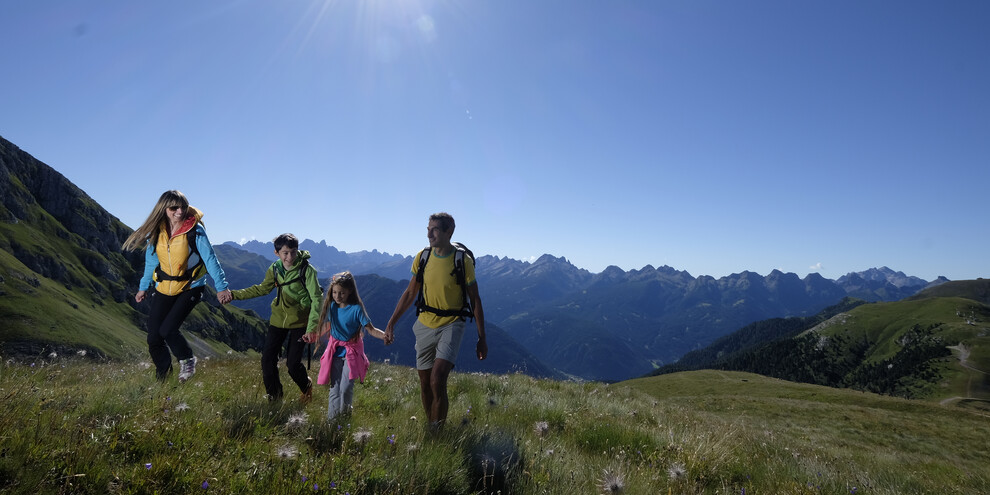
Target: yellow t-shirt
[(440, 288)]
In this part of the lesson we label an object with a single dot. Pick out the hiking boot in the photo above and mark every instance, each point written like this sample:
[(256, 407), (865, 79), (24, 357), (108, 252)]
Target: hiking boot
[(308, 394), (187, 368)]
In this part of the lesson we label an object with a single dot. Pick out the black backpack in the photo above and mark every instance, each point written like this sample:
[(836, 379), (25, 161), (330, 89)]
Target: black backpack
[(300, 277), (460, 253)]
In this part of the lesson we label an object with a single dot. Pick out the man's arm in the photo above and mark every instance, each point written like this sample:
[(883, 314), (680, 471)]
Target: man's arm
[(479, 319), (407, 298)]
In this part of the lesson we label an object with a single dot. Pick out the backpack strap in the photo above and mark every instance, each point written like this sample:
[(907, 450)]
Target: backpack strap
[(458, 274), (423, 258), (300, 277)]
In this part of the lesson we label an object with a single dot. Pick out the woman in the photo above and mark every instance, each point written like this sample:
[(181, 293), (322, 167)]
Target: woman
[(177, 257)]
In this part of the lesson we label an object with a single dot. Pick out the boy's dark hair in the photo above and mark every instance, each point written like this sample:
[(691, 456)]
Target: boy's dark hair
[(446, 221), (286, 240)]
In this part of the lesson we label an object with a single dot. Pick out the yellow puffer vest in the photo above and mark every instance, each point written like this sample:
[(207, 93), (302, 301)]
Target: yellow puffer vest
[(175, 259)]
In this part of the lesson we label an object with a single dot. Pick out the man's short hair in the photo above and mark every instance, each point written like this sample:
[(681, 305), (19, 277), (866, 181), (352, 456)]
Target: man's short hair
[(446, 221), (286, 240)]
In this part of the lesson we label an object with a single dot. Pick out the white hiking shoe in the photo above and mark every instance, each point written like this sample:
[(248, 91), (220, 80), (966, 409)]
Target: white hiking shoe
[(187, 368)]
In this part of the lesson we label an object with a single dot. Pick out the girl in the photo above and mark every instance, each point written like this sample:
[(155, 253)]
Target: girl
[(344, 360), (177, 256)]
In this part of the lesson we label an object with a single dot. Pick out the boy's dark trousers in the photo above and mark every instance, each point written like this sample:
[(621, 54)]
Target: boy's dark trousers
[(293, 359)]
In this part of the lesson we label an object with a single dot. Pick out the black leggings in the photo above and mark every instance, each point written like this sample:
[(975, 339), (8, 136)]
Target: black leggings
[(166, 316)]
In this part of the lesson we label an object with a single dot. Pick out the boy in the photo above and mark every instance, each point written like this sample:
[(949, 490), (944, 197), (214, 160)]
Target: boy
[(295, 312)]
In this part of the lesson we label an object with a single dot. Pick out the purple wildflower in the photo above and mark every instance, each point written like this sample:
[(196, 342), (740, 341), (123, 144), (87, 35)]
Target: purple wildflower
[(205, 485), (147, 466)]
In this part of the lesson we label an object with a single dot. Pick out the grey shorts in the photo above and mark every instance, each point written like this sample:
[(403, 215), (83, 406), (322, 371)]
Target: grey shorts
[(437, 343)]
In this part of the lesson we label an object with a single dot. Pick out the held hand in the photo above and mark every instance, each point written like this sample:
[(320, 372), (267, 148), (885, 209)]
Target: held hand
[(389, 335), (311, 337), (225, 296), (482, 349), (140, 295)]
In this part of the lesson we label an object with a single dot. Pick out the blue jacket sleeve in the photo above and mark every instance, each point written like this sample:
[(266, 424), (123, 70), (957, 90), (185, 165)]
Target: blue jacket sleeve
[(210, 259), (150, 263)]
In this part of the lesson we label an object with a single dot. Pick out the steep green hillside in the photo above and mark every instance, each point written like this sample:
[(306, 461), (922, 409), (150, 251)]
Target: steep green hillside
[(977, 290), (65, 284), (934, 348), (40, 314)]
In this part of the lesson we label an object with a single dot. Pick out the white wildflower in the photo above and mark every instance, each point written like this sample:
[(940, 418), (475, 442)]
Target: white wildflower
[(362, 436), (541, 428), (677, 471), (613, 482), (296, 421), (288, 452)]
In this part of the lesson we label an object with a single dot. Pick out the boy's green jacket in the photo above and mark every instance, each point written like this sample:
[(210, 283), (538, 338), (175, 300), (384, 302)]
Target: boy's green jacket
[(298, 303)]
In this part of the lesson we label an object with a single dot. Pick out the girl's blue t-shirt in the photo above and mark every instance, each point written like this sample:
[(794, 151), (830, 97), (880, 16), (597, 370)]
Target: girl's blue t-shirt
[(345, 323)]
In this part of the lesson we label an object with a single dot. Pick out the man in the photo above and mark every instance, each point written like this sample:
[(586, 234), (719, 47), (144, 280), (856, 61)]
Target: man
[(439, 335)]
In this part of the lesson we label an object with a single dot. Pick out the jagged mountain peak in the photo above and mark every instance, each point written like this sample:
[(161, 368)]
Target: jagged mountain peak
[(884, 275)]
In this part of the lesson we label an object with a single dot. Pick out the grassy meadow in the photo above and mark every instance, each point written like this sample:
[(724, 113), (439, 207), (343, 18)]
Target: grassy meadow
[(73, 425)]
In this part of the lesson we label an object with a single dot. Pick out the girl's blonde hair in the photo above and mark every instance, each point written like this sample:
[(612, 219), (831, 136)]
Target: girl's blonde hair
[(346, 281), (143, 233)]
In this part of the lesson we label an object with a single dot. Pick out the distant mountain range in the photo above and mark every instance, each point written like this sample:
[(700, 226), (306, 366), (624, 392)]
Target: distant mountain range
[(66, 283), (607, 326)]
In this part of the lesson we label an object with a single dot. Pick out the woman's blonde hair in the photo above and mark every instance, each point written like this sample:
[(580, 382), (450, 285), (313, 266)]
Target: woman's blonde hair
[(346, 281), (143, 234)]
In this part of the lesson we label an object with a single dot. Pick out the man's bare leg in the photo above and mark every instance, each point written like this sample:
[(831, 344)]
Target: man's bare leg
[(438, 385)]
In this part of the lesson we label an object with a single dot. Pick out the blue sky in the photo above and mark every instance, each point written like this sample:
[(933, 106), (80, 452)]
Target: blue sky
[(710, 136)]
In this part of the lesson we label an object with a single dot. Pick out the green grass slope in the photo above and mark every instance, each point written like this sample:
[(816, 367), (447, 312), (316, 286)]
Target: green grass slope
[(939, 346), (935, 347), (74, 426), (816, 439), (39, 314), (977, 290)]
